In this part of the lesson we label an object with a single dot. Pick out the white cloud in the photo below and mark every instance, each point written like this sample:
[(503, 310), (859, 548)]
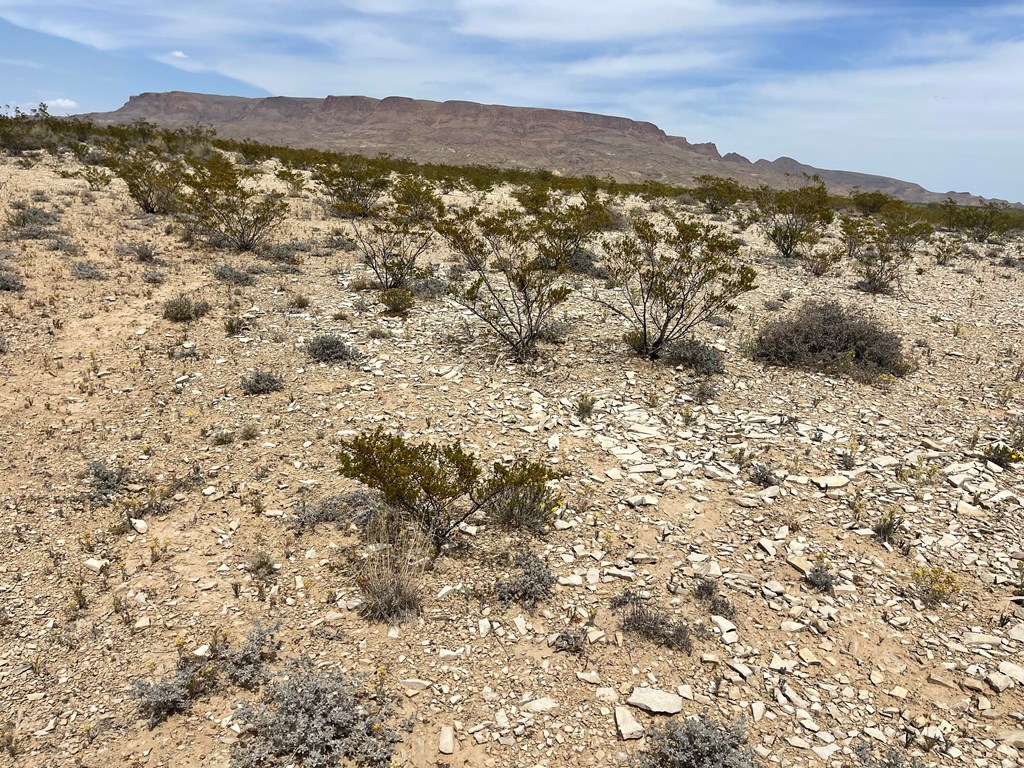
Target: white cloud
[(62, 105), (178, 55)]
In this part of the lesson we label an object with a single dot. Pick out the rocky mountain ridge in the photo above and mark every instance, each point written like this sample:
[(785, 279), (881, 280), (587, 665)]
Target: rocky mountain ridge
[(463, 132)]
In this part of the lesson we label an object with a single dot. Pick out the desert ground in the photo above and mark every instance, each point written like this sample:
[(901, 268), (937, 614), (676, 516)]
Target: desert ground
[(195, 538)]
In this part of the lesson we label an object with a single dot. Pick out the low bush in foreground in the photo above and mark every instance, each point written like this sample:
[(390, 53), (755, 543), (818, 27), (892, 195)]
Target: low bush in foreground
[(651, 623), (184, 309), (828, 337), (314, 719), (697, 743), (262, 383)]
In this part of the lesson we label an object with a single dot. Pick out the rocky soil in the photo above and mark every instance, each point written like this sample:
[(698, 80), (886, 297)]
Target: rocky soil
[(96, 593)]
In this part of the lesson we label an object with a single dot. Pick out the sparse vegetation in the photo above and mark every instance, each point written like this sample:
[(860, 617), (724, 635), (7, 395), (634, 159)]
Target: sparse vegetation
[(314, 719), (933, 584), (261, 382), (184, 309), (650, 623), (672, 282), (530, 586), (792, 218), (331, 348), (826, 336), (697, 743)]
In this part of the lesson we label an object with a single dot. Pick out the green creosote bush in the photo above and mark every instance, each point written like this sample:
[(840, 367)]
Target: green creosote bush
[(184, 309), (313, 718), (825, 336), (153, 178), (331, 348), (438, 487), (791, 218), (391, 245), (638, 618), (562, 227), (261, 382), (224, 206), (352, 188), (508, 287), (718, 194), (397, 301), (530, 586), (697, 743), (418, 198), (672, 281)]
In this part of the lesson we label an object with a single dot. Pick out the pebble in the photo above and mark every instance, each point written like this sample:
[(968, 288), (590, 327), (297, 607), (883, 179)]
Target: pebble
[(627, 725)]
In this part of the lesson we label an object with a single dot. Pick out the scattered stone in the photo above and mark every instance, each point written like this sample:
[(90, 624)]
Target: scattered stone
[(627, 725), (543, 704), (446, 742), (656, 701)]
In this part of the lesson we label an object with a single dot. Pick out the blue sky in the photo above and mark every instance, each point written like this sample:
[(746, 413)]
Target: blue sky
[(931, 92)]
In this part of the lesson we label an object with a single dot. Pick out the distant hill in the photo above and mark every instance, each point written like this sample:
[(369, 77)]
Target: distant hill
[(463, 132)]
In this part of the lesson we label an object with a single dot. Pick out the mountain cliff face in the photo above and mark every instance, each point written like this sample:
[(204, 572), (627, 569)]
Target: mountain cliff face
[(461, 132)]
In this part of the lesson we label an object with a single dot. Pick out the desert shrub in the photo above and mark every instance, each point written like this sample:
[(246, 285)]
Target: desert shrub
[(144, 253), (887, 526), (652, 624), (4, 345), (96, 178), (389, 576), (555, 331), (225, 208), (763, 476), (153, 276), (561, 227), (1003, 455), (425, 482), (351, 189), (246, 666), (716, 604), (529, 587), (820, 577), (694, 354), (891, 758), (418, 198), (153, 178), (508, 287), (356, 507), (697, 743), (704, 392), (10, 280), (717, 193), (792, 218), (585, 404), (331, 348), (30, 222), (428, 287), (184, 309), (261, 382), (870, 203), (585, 262), (234, 325), (287, 253), (932, 585), (313, 719), (520, 497), (397, 301), (84, 270), (673, 281), (107, 481), (160, 699), (825, 336), (228, 274), (821, 261), (391, 246)]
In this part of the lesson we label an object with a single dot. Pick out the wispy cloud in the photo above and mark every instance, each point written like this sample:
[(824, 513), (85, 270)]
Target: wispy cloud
[(924, 91)]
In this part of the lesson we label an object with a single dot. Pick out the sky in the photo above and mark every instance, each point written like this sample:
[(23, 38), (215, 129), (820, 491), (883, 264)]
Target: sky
[(929, 92)]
